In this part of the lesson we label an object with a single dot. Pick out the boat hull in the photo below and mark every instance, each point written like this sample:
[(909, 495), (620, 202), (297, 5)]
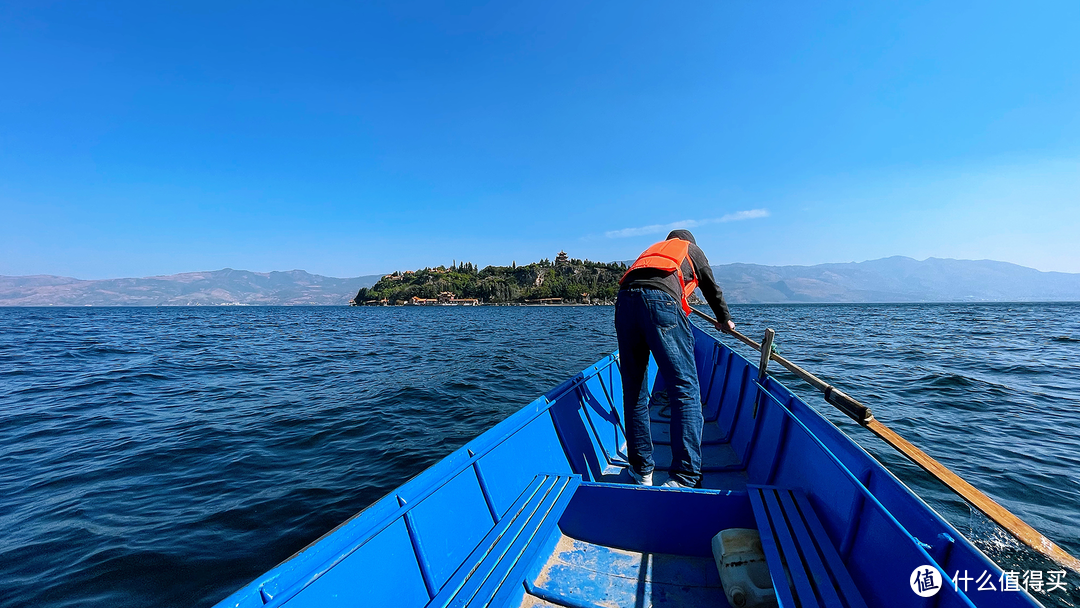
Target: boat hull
[(428, 542)]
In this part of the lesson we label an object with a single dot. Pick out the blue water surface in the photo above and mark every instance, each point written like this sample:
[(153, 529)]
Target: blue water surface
[(168, 456)]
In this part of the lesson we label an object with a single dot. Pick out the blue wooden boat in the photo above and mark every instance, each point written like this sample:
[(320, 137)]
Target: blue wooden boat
[(539, 511)]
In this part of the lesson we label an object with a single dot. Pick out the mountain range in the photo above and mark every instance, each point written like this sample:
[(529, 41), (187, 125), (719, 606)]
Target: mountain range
[(211, 288), (895, 279)]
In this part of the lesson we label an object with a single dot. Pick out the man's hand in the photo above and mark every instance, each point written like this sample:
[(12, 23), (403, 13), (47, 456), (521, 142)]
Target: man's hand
[(725, 327)]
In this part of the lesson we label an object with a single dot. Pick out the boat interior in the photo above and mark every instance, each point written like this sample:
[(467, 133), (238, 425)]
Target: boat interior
[(540, 511)]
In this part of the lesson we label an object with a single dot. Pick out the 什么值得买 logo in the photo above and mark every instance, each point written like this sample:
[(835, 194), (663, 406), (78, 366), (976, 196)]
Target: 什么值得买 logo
[(925, 581)]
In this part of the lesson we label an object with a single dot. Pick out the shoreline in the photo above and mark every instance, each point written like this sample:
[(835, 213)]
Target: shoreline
[(245, 305)]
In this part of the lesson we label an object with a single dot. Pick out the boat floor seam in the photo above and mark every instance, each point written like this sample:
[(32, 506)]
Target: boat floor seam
[(629, 578)]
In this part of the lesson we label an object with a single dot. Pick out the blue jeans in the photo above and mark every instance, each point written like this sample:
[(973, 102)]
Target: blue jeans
[(650, 320)]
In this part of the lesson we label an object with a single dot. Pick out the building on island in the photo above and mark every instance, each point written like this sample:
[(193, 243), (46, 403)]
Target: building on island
[(562, 259), (445, 298), (450, 298)]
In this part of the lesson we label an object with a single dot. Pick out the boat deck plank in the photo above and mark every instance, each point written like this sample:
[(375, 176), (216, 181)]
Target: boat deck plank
[(578, 573)]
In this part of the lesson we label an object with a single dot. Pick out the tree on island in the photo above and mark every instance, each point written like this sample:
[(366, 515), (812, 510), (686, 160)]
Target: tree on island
[(574, 281)]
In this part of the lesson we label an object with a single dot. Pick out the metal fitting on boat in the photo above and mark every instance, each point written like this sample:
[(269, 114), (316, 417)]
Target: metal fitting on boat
[(855, 410)]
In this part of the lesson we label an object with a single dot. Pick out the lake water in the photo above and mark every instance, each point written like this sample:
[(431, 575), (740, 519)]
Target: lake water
[(167, 456)]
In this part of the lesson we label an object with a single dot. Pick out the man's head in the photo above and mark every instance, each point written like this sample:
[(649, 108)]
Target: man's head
[(681, 234)]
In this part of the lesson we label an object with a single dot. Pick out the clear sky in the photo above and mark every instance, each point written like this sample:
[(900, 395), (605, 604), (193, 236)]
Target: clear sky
[(358, 138)]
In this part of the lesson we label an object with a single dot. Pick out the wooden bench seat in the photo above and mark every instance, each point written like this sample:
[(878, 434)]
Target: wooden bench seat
[(796, 546), (505, 553)]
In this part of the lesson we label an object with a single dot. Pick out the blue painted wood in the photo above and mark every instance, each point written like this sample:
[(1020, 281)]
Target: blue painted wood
[(508, 582), (421, 555), (731, 400), (416, 542), (383, 572), (781, 522), (446, 544), (678, 522), (615, 400), (773, 555), (796, 543), (836, 565), (882, 540), (495, 517), (490, 564), (809, 547), (527, 502), (586, 575), (721, 374), (504, 469)]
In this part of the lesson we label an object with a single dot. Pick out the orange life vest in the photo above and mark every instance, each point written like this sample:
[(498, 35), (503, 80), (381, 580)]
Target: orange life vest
[(669, 255)]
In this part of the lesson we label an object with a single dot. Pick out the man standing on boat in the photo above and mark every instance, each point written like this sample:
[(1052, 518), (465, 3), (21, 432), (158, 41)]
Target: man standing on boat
[(652, 315)]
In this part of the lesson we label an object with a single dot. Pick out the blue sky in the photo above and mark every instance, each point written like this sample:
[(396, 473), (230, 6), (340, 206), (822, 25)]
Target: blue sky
[(357, 138)]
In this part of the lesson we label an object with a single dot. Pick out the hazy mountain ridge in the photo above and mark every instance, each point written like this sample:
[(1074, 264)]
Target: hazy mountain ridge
[(895, 279), (210, 288)]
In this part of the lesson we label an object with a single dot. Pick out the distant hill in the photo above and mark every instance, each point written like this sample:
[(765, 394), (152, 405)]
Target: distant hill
[(212, 288), (896, 279)]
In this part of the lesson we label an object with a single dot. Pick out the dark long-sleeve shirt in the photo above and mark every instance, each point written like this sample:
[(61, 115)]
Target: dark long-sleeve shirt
[(669, 282)]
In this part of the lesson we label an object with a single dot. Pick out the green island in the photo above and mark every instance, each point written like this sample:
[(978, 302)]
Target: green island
[(564, 281)]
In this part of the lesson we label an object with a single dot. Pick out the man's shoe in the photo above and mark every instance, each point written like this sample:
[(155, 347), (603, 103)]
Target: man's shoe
[(641, 480), (674, 483)]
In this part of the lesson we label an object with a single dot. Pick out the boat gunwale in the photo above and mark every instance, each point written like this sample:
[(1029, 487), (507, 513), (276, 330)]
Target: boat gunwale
[(517, 420)]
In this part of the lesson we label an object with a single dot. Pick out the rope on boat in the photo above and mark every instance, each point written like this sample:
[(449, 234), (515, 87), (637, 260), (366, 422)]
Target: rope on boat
[(862, 414)]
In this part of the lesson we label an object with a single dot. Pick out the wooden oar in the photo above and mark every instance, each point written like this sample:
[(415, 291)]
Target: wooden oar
[(861, 414)]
